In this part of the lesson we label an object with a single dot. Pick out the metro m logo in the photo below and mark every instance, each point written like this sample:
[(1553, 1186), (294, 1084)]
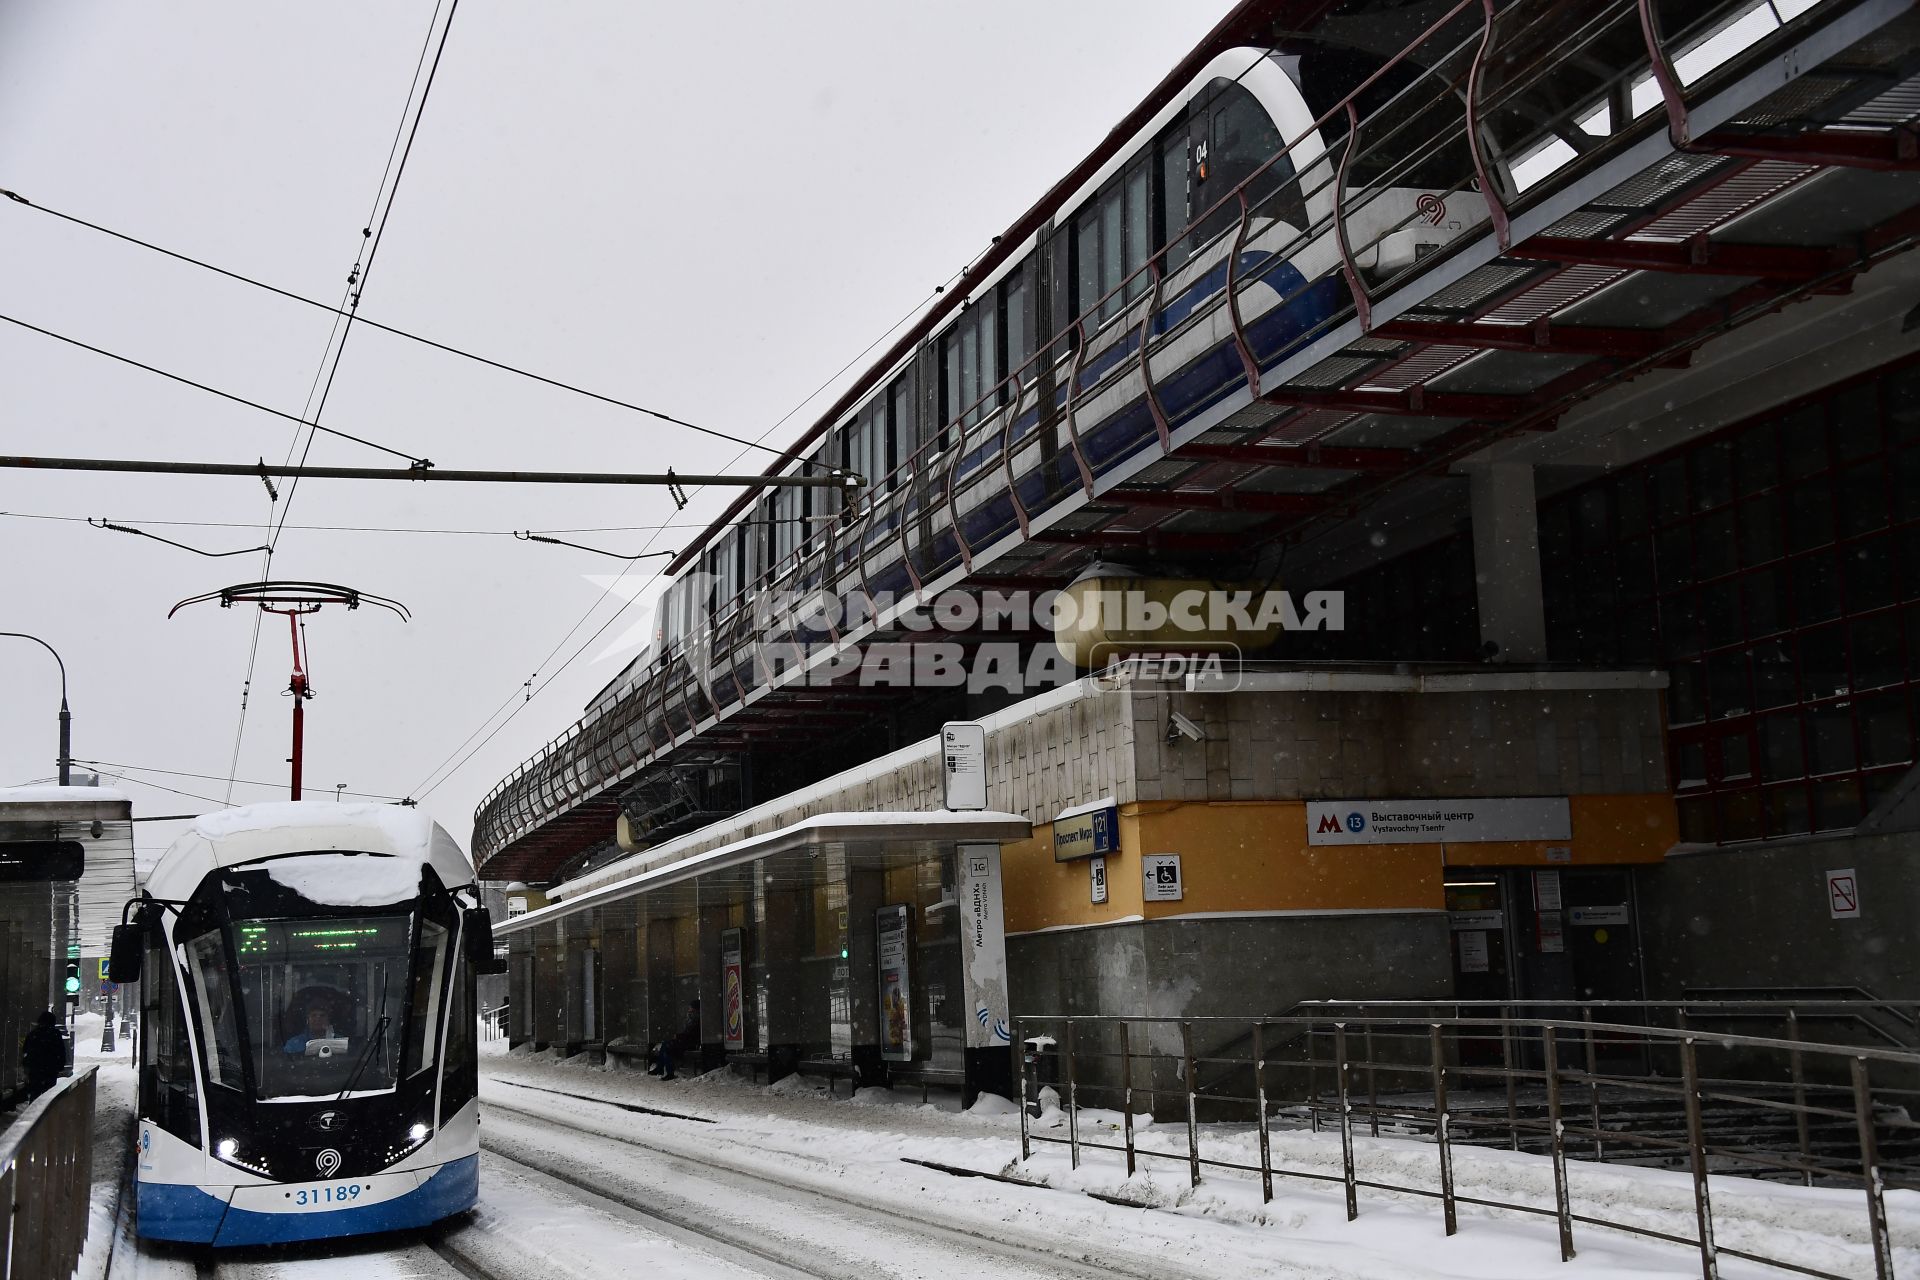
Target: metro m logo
[(1328, 823)]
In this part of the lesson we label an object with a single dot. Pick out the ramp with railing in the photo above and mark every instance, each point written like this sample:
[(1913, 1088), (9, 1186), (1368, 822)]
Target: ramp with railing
[(46, 1182), (1620, 1085)]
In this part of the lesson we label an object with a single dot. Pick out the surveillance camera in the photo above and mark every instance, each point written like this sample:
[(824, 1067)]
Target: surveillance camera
[(1178, 727)]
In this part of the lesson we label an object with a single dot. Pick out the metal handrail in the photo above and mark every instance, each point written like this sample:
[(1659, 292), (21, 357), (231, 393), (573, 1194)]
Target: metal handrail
[(46, 1182)]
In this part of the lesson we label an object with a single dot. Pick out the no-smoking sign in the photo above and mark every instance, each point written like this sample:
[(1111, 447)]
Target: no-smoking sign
[(1843, 895)]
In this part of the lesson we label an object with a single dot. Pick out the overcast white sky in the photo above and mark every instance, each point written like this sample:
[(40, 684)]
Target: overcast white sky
[(703, 208)]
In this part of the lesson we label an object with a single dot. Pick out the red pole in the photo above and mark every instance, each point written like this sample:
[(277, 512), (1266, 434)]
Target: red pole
[(299, 691)]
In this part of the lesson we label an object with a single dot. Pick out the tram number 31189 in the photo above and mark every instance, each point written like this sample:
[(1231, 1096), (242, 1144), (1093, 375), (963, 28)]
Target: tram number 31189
[(342, 1194)]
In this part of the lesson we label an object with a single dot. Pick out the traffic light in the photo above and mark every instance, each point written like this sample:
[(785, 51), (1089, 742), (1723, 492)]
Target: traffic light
[(73, 979)]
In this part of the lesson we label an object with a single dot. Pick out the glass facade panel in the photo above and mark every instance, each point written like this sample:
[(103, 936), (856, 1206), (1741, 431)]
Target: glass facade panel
[(1786, 553)]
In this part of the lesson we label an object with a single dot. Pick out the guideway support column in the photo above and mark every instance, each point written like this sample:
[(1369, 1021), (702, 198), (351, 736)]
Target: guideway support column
[(782, 918), (1506, 561)]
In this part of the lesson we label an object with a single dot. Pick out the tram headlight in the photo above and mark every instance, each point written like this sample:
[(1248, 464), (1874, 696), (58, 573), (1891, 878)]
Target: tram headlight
[(417, 1134), (228, 1148)]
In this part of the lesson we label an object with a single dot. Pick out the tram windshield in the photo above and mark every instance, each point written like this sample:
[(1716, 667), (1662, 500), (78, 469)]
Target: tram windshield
[(297, 999)]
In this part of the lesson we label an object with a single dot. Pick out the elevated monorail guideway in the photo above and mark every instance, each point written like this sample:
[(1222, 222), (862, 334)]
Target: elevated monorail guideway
[(1528, 204)]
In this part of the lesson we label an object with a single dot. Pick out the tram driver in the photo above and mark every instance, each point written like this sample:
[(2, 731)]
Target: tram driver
[(319, 1028)]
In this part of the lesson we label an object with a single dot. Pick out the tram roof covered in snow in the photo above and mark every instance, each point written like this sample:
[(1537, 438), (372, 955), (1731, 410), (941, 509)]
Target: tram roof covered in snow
[(251, 833)]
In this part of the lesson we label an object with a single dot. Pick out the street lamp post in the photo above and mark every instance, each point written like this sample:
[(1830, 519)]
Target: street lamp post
[(66, 716)]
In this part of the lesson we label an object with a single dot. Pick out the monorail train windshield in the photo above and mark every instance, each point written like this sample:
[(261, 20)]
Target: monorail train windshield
[(296, 999)]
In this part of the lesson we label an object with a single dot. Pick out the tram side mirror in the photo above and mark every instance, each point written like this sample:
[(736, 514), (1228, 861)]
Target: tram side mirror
[(129, 948), (480, 942)]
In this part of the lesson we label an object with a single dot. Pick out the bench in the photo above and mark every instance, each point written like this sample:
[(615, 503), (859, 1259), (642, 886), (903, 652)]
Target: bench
[(925, 1076), (755, 1063), (628, 1049), (833, 1069)]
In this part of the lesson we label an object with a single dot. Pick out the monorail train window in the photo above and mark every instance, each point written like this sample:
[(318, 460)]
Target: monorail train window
[(1411, 132), (1239, 138), (789, 524), (723, 564), (1174, 209), (168, 1092), (1112, 238), (901, 426), (867, 443), (424, 1010), (969, 362), (1014, 327)]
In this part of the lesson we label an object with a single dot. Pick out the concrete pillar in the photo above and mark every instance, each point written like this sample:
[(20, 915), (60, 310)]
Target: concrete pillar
[(715, 919), (662, 1014), (1506, 561), (782, 916), (866, 888)]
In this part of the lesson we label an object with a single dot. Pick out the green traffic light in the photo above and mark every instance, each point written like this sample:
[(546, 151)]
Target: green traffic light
[(73, 985)]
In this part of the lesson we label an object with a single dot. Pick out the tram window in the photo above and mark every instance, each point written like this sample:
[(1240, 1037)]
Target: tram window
[(461, 1063), (167, 1085), (429, 982), (217, 1020)]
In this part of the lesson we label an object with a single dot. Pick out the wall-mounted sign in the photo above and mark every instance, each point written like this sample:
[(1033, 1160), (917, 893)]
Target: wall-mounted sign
[(1477, 919), (896, 984), (1843, 895), (1473, 951), (963, 765), (1552, 934), (1438, 821), (1097, 879), (1088, 831), (1160, 877), (983, 949), (1588, 917), (733, 1006)]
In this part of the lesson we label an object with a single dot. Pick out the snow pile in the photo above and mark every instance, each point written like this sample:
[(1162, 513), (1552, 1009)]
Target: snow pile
[(336, 880), (408, 830), (50, 794)]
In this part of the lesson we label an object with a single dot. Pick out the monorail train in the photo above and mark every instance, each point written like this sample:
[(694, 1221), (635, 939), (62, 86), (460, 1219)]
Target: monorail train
[(996, 415), (307, 1048)]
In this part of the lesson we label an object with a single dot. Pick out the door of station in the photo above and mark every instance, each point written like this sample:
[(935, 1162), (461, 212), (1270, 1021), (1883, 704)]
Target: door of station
[(1560, 934)]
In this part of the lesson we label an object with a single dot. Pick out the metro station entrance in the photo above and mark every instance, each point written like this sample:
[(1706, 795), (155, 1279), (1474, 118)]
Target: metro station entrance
[(1535, 933)]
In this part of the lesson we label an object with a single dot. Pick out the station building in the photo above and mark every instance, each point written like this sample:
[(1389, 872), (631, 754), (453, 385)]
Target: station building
[(1595, 532)]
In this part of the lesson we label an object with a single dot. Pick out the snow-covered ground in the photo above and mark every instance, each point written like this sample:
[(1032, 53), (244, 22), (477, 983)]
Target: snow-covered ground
[(783, 1181), (858, 1150)]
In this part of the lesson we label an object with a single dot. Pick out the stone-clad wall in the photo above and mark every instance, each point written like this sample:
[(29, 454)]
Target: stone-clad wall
[(1074, 745), (1308, 745)]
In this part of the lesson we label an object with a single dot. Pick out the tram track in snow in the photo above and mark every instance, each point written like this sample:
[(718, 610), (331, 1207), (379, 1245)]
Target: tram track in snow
[(911, 1222)]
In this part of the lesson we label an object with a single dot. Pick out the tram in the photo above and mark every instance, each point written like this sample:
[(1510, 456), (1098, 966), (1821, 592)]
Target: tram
[(307, 1050)]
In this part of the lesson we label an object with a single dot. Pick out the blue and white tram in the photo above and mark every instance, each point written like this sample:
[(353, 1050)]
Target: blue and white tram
[(307, 1048)]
